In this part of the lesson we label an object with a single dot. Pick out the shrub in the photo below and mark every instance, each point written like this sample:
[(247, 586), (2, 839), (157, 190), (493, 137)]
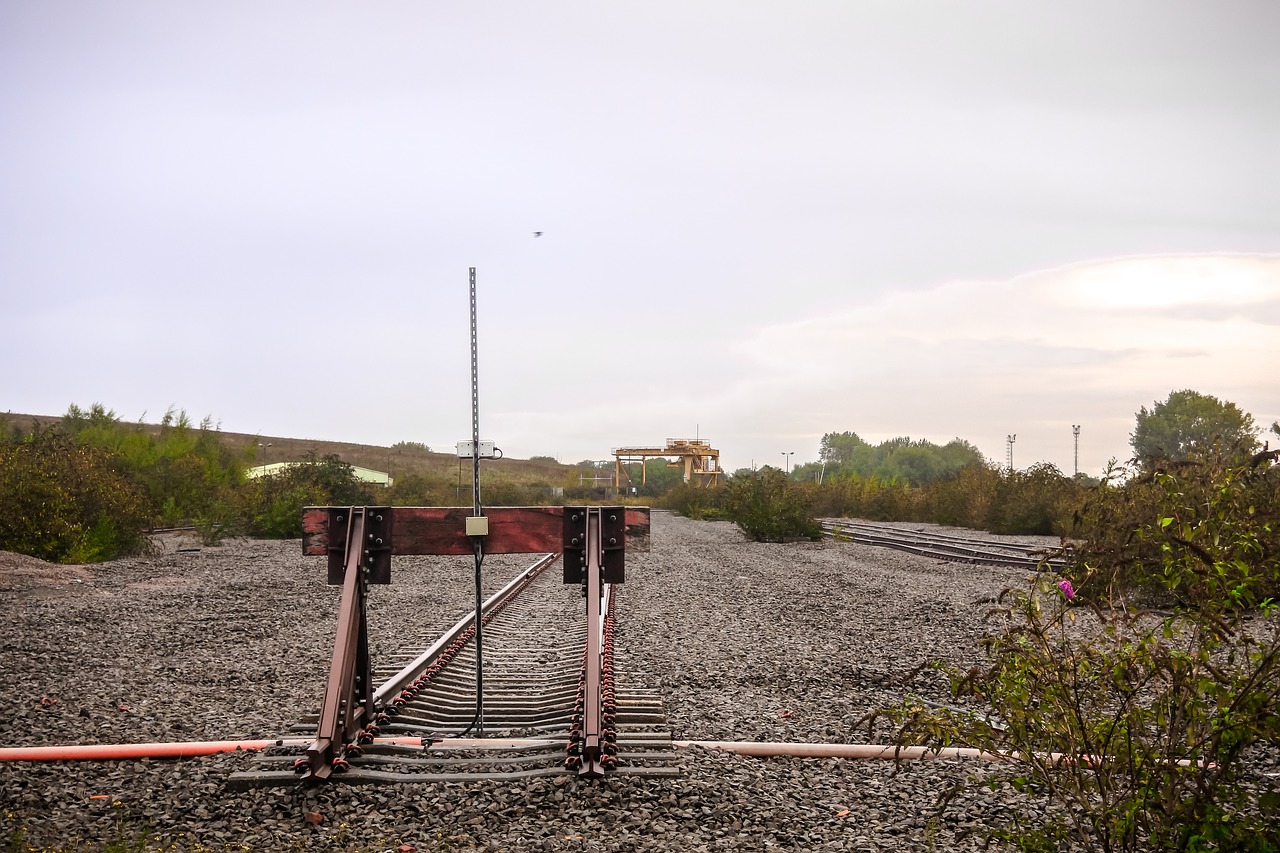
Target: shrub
[(1035, 502), (66, 502), (185, 471), (696, 502), (220, 516), (1183, 532), (887, 500), (1136, 723), (964, 499), (420, 490), (507, 493), (873, 498), (272, 505), (770, 508), (833, 499), (1039, 501)]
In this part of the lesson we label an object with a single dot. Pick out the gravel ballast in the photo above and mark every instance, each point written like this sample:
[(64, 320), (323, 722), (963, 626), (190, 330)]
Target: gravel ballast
[(744, 641)]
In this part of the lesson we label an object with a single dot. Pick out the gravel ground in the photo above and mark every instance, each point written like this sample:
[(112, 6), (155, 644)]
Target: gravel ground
[(745, 642)]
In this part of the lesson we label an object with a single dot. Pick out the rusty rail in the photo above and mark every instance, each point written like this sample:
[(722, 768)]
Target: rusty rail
[(396, 684), (347, 700), (945, 547)]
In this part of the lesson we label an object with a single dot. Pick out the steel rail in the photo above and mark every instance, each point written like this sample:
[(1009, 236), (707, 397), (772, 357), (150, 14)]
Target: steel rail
[(950, 554), (394, 685), (943, 539), (345, 707), (936, 536), (592, 712), (929, 535), (940, 546)]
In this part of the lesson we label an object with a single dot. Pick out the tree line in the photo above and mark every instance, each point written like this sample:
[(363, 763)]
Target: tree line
[(953, 484), (86, 488)]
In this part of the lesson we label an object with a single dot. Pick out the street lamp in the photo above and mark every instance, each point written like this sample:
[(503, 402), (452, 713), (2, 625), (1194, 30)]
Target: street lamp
[(787, 454), (264, 455)]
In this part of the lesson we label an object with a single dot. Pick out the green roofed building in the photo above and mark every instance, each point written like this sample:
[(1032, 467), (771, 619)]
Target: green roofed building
[(364, 475)]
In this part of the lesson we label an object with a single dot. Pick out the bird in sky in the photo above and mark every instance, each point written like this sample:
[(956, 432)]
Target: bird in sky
[(537, 233)]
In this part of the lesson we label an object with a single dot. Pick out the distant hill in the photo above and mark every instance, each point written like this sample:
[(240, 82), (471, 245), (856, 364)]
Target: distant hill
[(398, 462)]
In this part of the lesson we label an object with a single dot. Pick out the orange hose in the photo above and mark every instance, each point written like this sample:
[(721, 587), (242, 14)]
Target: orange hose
[(839, 750), (122, 751), (905, 753)]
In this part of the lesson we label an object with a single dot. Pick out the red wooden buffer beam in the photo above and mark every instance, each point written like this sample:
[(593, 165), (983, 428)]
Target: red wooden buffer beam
[(417, 530)]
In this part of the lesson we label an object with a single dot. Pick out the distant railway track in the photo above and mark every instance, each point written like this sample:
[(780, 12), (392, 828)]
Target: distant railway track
[(957, 549)]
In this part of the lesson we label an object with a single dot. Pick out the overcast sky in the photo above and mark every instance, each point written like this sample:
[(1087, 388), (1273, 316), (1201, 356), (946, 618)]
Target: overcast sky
[(761, 221)]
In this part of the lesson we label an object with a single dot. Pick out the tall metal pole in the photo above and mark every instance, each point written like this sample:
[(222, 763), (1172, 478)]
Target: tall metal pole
[(1075, 431), (475, 508), (1010, 440)]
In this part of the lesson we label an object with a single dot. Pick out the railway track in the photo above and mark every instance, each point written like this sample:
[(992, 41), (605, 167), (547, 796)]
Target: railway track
[(944, 546), (426, 728), (552, 702)]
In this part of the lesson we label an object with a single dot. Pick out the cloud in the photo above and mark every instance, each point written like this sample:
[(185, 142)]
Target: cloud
[(1031, 355)]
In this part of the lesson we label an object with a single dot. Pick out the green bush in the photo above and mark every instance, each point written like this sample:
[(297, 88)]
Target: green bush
[(770, 508), (1035, 502), (220, 516), (66, 502), (185, 471), (421, 490), (964, 499), (1038, 501), (692, 501), (272, 505), (1187, 530), (854, 496), (508, 493), (888, 500), (1136, 723)]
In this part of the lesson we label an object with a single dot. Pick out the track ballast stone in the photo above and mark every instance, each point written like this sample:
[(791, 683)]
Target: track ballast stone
[(744, 641)]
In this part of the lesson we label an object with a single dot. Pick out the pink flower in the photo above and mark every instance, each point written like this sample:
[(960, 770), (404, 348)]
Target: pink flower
[(1067, 591)]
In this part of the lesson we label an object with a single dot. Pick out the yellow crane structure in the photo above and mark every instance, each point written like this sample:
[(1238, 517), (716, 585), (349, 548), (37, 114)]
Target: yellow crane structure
[(701, 462)]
